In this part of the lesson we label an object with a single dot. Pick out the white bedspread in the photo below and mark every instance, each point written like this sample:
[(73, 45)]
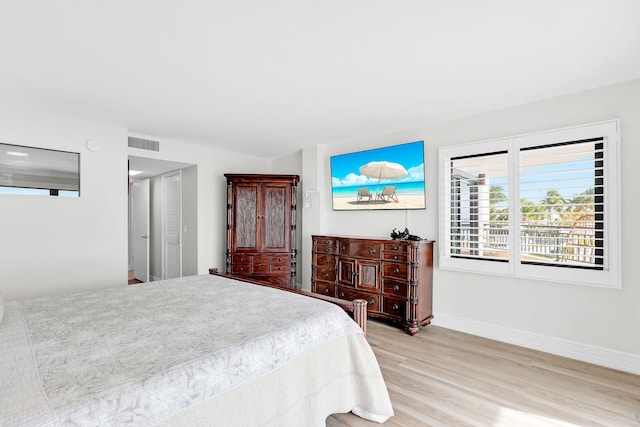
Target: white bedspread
[(141, 354)]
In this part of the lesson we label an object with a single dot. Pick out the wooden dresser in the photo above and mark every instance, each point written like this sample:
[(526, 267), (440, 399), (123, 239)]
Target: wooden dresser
[(261, 227), (394, 276)]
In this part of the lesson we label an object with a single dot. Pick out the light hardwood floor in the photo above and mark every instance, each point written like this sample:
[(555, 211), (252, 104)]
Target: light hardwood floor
[(442, 377)]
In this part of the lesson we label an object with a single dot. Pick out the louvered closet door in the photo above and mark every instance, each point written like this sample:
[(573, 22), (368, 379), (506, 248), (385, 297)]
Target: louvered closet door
[(172, 226)]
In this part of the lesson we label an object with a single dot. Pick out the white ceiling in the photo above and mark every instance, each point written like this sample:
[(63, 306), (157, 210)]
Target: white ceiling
[(269, 77)]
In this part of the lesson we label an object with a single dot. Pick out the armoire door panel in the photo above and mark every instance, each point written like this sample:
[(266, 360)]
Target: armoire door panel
[(246, 218), (275, 218)]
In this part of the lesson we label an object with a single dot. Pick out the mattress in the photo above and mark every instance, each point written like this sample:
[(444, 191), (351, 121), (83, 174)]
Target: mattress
[(184, 351)]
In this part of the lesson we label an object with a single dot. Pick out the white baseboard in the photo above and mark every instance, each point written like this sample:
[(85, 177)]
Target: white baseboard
[(153, 278), (614, 359)]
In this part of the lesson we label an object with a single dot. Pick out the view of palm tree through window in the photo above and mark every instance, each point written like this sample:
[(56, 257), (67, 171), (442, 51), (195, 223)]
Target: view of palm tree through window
[(559, 206)]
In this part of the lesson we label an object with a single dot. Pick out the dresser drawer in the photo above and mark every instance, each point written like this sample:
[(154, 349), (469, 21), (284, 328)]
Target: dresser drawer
[(241, 259), (372, 299), (241, 268), (324, 274), (280, 269), (328, 289), (395, 247), (360, 249), (261, 264), (395, 270), (394, 256), (395, 287), (324, 260), (280, 260), (395, 306), (325, 245)]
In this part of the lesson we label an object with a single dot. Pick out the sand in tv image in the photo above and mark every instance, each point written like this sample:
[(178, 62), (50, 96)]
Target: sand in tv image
[(382, 178)]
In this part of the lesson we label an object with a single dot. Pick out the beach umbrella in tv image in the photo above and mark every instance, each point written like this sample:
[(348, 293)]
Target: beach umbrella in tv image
[(383, 170)]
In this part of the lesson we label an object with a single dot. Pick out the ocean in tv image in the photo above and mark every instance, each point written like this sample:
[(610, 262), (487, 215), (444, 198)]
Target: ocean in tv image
[(393, 176)]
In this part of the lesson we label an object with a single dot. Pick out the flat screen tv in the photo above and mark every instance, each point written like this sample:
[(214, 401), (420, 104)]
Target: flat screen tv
[(381, 178)]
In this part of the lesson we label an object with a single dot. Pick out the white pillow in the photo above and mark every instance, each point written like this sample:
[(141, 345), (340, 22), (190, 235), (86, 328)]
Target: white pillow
[(1, 305)]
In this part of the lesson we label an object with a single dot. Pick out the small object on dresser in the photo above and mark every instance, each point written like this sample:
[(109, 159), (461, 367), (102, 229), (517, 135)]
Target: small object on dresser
[(404, 235)]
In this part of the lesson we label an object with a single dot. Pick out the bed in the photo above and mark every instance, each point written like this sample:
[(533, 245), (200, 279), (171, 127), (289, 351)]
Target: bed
[(200, 350)]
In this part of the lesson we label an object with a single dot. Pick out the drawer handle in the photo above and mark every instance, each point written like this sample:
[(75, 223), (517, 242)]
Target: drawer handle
[(372, 251), (395, 248), (260, 264), (327, 261), (341, 294), (326, 249), (372, 301), (395, 257), (396, 288), (396, 271), (279, 268), (343, 247), (241, 268), (326, 291), (326, 242), (326, 275), (395, 307), (279, 259)]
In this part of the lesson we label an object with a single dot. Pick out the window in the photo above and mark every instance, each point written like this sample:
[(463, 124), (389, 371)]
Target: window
[(39, 171), (538, 206)]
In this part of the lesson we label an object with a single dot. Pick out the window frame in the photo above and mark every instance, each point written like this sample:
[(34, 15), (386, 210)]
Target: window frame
[(609, 276)]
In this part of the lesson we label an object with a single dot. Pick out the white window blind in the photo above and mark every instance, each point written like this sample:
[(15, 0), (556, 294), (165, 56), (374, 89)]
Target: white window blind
[(479, 218), (562, 204)]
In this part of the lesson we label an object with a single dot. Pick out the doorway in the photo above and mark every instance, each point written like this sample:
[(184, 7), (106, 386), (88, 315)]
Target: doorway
[(184, 227)]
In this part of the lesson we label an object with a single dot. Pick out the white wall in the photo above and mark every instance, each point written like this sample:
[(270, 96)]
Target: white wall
[(190, 221), (313, 214), (57, 245), (571, 318)]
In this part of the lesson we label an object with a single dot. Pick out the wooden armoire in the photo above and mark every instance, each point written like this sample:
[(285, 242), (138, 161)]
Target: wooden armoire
[(261, 227)]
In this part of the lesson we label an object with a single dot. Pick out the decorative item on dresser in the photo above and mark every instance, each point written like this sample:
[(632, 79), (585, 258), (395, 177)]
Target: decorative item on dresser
[(394, 276), (261, 227)]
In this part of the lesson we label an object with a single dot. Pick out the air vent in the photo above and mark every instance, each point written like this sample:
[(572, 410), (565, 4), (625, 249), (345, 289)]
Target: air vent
[(144, 144)]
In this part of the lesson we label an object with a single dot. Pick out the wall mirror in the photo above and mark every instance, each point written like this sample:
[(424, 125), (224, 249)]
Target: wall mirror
[(39, 171)]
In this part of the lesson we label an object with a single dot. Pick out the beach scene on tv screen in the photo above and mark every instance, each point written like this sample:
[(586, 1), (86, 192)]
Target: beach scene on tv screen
[(382, 178)]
